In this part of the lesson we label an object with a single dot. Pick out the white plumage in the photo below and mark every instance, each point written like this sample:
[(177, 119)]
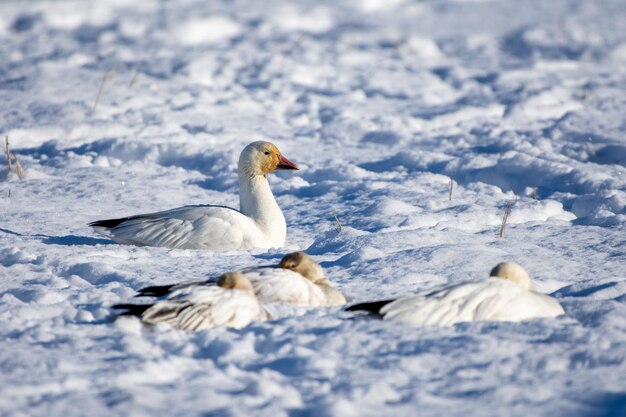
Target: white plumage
[(237, 298), (505, 296), (297, 280), (270, 285), (260, 223), (320, 290), (231, 303), (277, 285)]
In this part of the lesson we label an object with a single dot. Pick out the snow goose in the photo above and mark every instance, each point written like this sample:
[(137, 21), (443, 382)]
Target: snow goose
[(259, 223), (507, 295), (303, 264), (230, 303), (297, 280)]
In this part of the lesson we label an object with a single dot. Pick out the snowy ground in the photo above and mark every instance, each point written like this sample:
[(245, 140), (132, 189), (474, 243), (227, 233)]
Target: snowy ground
[(381, 103)]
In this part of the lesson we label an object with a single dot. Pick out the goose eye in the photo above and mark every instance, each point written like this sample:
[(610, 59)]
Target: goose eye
[(267, 152)]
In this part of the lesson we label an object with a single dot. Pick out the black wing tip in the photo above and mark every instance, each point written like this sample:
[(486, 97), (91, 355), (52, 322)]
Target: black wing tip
[(108, 223), (131, 309), (154, 291), (371, 307)]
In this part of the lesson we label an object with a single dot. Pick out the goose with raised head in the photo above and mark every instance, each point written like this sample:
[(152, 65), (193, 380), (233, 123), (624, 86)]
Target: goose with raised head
[(259, 223), (507, 295), (230, 303)]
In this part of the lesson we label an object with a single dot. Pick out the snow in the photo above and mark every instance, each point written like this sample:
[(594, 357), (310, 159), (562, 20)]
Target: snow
[(217, 29), (381, 103)]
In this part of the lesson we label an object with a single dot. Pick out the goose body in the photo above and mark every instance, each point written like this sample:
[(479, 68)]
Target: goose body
[(259, 223), (297, 280), (230, 303), (270, 285), (505, 296)]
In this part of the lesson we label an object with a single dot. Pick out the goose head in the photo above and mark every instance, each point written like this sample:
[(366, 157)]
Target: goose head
[(235, 280), (261, 158), (513, 272), (303, 264)]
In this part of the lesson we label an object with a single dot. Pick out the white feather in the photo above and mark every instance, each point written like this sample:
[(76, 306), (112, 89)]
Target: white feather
[(204, 307), (259, 224), (494, 299), (275, 285)]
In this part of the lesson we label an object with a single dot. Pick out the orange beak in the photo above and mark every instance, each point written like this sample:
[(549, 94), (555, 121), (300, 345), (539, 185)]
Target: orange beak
[(284, 163)]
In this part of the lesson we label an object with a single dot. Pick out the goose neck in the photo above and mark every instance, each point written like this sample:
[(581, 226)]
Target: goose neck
[(257, 200)]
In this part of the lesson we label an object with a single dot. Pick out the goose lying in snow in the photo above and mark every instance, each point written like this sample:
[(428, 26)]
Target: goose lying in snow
[(230, 303), (297, 280), (259, 223), (318, 292), (506, 296)]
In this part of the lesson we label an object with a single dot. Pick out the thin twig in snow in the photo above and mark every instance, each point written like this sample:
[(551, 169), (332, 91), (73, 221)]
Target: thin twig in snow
[(505, 217), (107, 77), (535, 194), (18, 168), (7, 148), (339, 226), (133, 80)]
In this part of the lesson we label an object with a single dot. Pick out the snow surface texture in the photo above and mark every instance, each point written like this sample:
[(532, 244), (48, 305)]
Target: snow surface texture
[(380, 103)]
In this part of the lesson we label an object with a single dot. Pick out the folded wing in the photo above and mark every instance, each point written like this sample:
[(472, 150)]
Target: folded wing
[(494, 299), (206, 307), (192, 227)]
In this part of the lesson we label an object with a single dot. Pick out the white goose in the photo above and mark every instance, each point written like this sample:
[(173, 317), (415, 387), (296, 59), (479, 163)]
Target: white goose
[(259, 223), (297, 280), (230, 303), (506, 296)]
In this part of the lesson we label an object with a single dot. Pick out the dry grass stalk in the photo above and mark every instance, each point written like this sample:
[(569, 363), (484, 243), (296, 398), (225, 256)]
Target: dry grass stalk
[(10, 156), (562, 32), (18, 168), (133, 80), (451, 185), (535, 194), (107, 77), (339, 226), (7, 148), (505, 217)]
